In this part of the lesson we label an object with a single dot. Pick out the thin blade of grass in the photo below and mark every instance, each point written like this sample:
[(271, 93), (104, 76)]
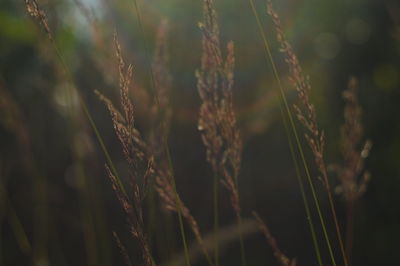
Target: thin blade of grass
[(270, 60), (166, 145), (35, 12)]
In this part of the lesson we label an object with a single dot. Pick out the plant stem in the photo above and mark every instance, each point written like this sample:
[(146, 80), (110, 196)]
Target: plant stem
[(216, 218), (351, 206), (242, 250), (269, 58), (178, 204), (166, 147), (239, 221), (335, 219), (302, 190)]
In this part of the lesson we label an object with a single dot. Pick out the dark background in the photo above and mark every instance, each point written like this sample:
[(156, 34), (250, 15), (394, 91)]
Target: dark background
[(68, 219)]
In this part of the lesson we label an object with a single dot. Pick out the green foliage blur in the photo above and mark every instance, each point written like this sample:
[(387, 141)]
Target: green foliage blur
[(57, 206)]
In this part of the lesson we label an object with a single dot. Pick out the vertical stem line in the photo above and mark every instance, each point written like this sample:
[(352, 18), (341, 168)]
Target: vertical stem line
[(239, 221), (242, 250), (335, 219), (166, 148), (88, 116), (351, 206), (302, 190), (216, 217), (178, 204), (8, 212), (269, 59)]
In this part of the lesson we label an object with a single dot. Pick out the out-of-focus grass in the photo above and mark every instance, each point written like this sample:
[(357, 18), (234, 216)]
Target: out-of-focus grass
[(333, 41)]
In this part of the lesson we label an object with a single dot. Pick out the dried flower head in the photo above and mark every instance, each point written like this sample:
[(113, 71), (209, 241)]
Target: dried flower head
[(279, 255), (147, 159), (122, 250), (34, 10), (136, 154), (217, 119), (353, 177), (162, 116), (161, 110), (306, 111)]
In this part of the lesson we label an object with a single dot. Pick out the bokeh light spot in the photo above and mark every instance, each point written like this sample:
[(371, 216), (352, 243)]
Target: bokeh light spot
[(358, 31), (65, 97), (327, 45), (386, 76)]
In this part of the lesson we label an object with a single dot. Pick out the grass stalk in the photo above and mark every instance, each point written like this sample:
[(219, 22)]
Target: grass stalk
[(269, 58), (302, 190), (15, 223), (88, 116), (336, 222), (351, 206), (216, 217), (241, 241), (179, 207), (40, 197), (166, 148), (19, 232), (37, 13), (86, 211), (240, 223)]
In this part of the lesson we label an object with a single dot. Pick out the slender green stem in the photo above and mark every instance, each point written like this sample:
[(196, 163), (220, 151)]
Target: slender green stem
[(147, 52), (351, 206), (19, 231), (302, 190), (89, 117), (178, 205), (242, 250), (151, 216), (239, 221), (166, 148), (15, 223), (336, 222), (216, 218), (88, 220), (269, 58), (70, 79)]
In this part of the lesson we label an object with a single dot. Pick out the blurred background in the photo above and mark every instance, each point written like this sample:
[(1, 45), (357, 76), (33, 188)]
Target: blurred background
[(57, 205)]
